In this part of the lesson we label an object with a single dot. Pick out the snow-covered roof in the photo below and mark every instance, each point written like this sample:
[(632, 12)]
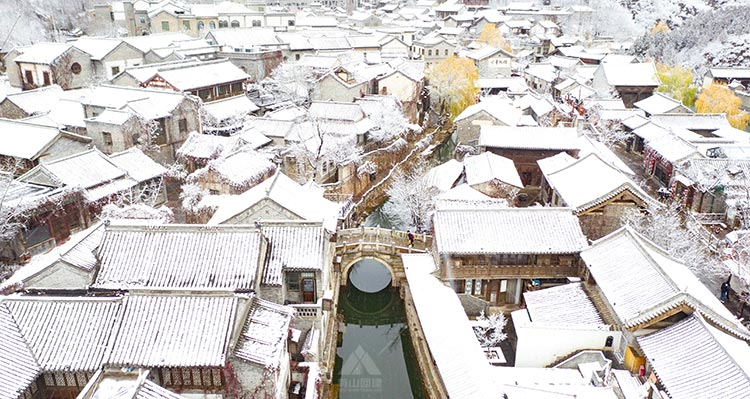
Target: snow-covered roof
[(174, 331), (242, 168), (662, 282), (138, 165), (179, 257), (66, 333), (564, 304), (486, 167), (529, 138), (306, 203), (293, 246), (111, 117), (630, 74), (264, 335), (590, 145), (444, 176), (671, 147), (148, 103), (508, 231), (545, 72), (86, 170), (337, 111), (690, 357), (691, 121), (207, 146), (658, 103), (459, 359), (158, 40), (96, 47), (125, 384), (730, 73), (25, 140), (498, 108), (587, 182), (236, 106), (38, 100), (18, 367), (42, 53), (206, 74)]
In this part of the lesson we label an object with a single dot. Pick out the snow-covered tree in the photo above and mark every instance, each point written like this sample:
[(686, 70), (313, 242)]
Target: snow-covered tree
[(390, 121), (453, 84), (410, 200), (667, 227), (294, 82), (607, 132), (610, 18), (490, 330), (718, 98), (317, 148)]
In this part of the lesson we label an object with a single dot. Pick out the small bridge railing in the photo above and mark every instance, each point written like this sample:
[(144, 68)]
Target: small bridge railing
[(380, 240)]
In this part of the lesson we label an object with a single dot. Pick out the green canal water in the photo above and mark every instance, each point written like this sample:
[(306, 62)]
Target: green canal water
[(375, 356)]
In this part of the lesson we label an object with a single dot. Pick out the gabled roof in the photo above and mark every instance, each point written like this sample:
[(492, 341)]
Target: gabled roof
[(508, 231), (302, 201), (293, 246), (36, 101), (564, 304), (630, 74), (177, 257), (97, 47), (207, 74), (653, 284), (587, 182), (338, 111), (499, 109), (692, 359), (242, 168), (174, 331), (138, 165), (658, 103), (66, 333), (26, 140), (42, 53), (529, 138), (486, 52), (486, 167), (444, 176), (264, 335), (18, 367)]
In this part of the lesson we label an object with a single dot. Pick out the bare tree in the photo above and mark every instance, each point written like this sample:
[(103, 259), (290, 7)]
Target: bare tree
[(410, 199)]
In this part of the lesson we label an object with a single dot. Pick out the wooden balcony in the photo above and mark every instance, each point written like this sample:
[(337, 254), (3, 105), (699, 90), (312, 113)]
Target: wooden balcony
[(489, 271)]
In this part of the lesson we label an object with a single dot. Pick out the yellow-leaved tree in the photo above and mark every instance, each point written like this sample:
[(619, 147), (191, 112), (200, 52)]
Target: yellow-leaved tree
[(660, 27), (677, 82), (718, 98), (492, 36), (453, 84)]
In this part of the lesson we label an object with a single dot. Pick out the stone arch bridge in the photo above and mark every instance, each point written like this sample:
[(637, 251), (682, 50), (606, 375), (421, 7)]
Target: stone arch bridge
[(383, 245)]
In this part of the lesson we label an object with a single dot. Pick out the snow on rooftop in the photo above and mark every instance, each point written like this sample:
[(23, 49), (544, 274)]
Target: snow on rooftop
[(42, 52), (499, 108), (96, 47), (25, 140), (58, 330), (589, 181), (174, 331), (179, 257), (529, 138), (487, 167), (86, 169), (688, 360), (459, 359), (38, 100), (138, 165), (294, 246), (207, 146), (658, 103), (444, 176), (661, 280), (329, 110), (264, 335), (631, 74), (301, 201), (242, 168), (236, 106), (508, 231), (18, 367), (202, 75), (564, 304)]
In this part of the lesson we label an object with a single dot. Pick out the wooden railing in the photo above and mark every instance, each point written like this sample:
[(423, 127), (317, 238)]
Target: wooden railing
[(376, 239)]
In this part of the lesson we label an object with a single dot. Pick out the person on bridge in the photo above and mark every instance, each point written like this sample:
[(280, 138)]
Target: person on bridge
[(411, 237)]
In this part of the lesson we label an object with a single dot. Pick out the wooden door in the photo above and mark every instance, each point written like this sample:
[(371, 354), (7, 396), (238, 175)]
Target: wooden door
[(308, 290), (29, 77), (47, 81)]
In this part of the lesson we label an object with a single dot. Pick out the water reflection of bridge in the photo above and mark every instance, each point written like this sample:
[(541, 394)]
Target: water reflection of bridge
[(384, 245)]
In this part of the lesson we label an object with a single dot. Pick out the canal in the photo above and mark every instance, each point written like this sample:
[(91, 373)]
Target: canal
[(441, 154), (374, 357)]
